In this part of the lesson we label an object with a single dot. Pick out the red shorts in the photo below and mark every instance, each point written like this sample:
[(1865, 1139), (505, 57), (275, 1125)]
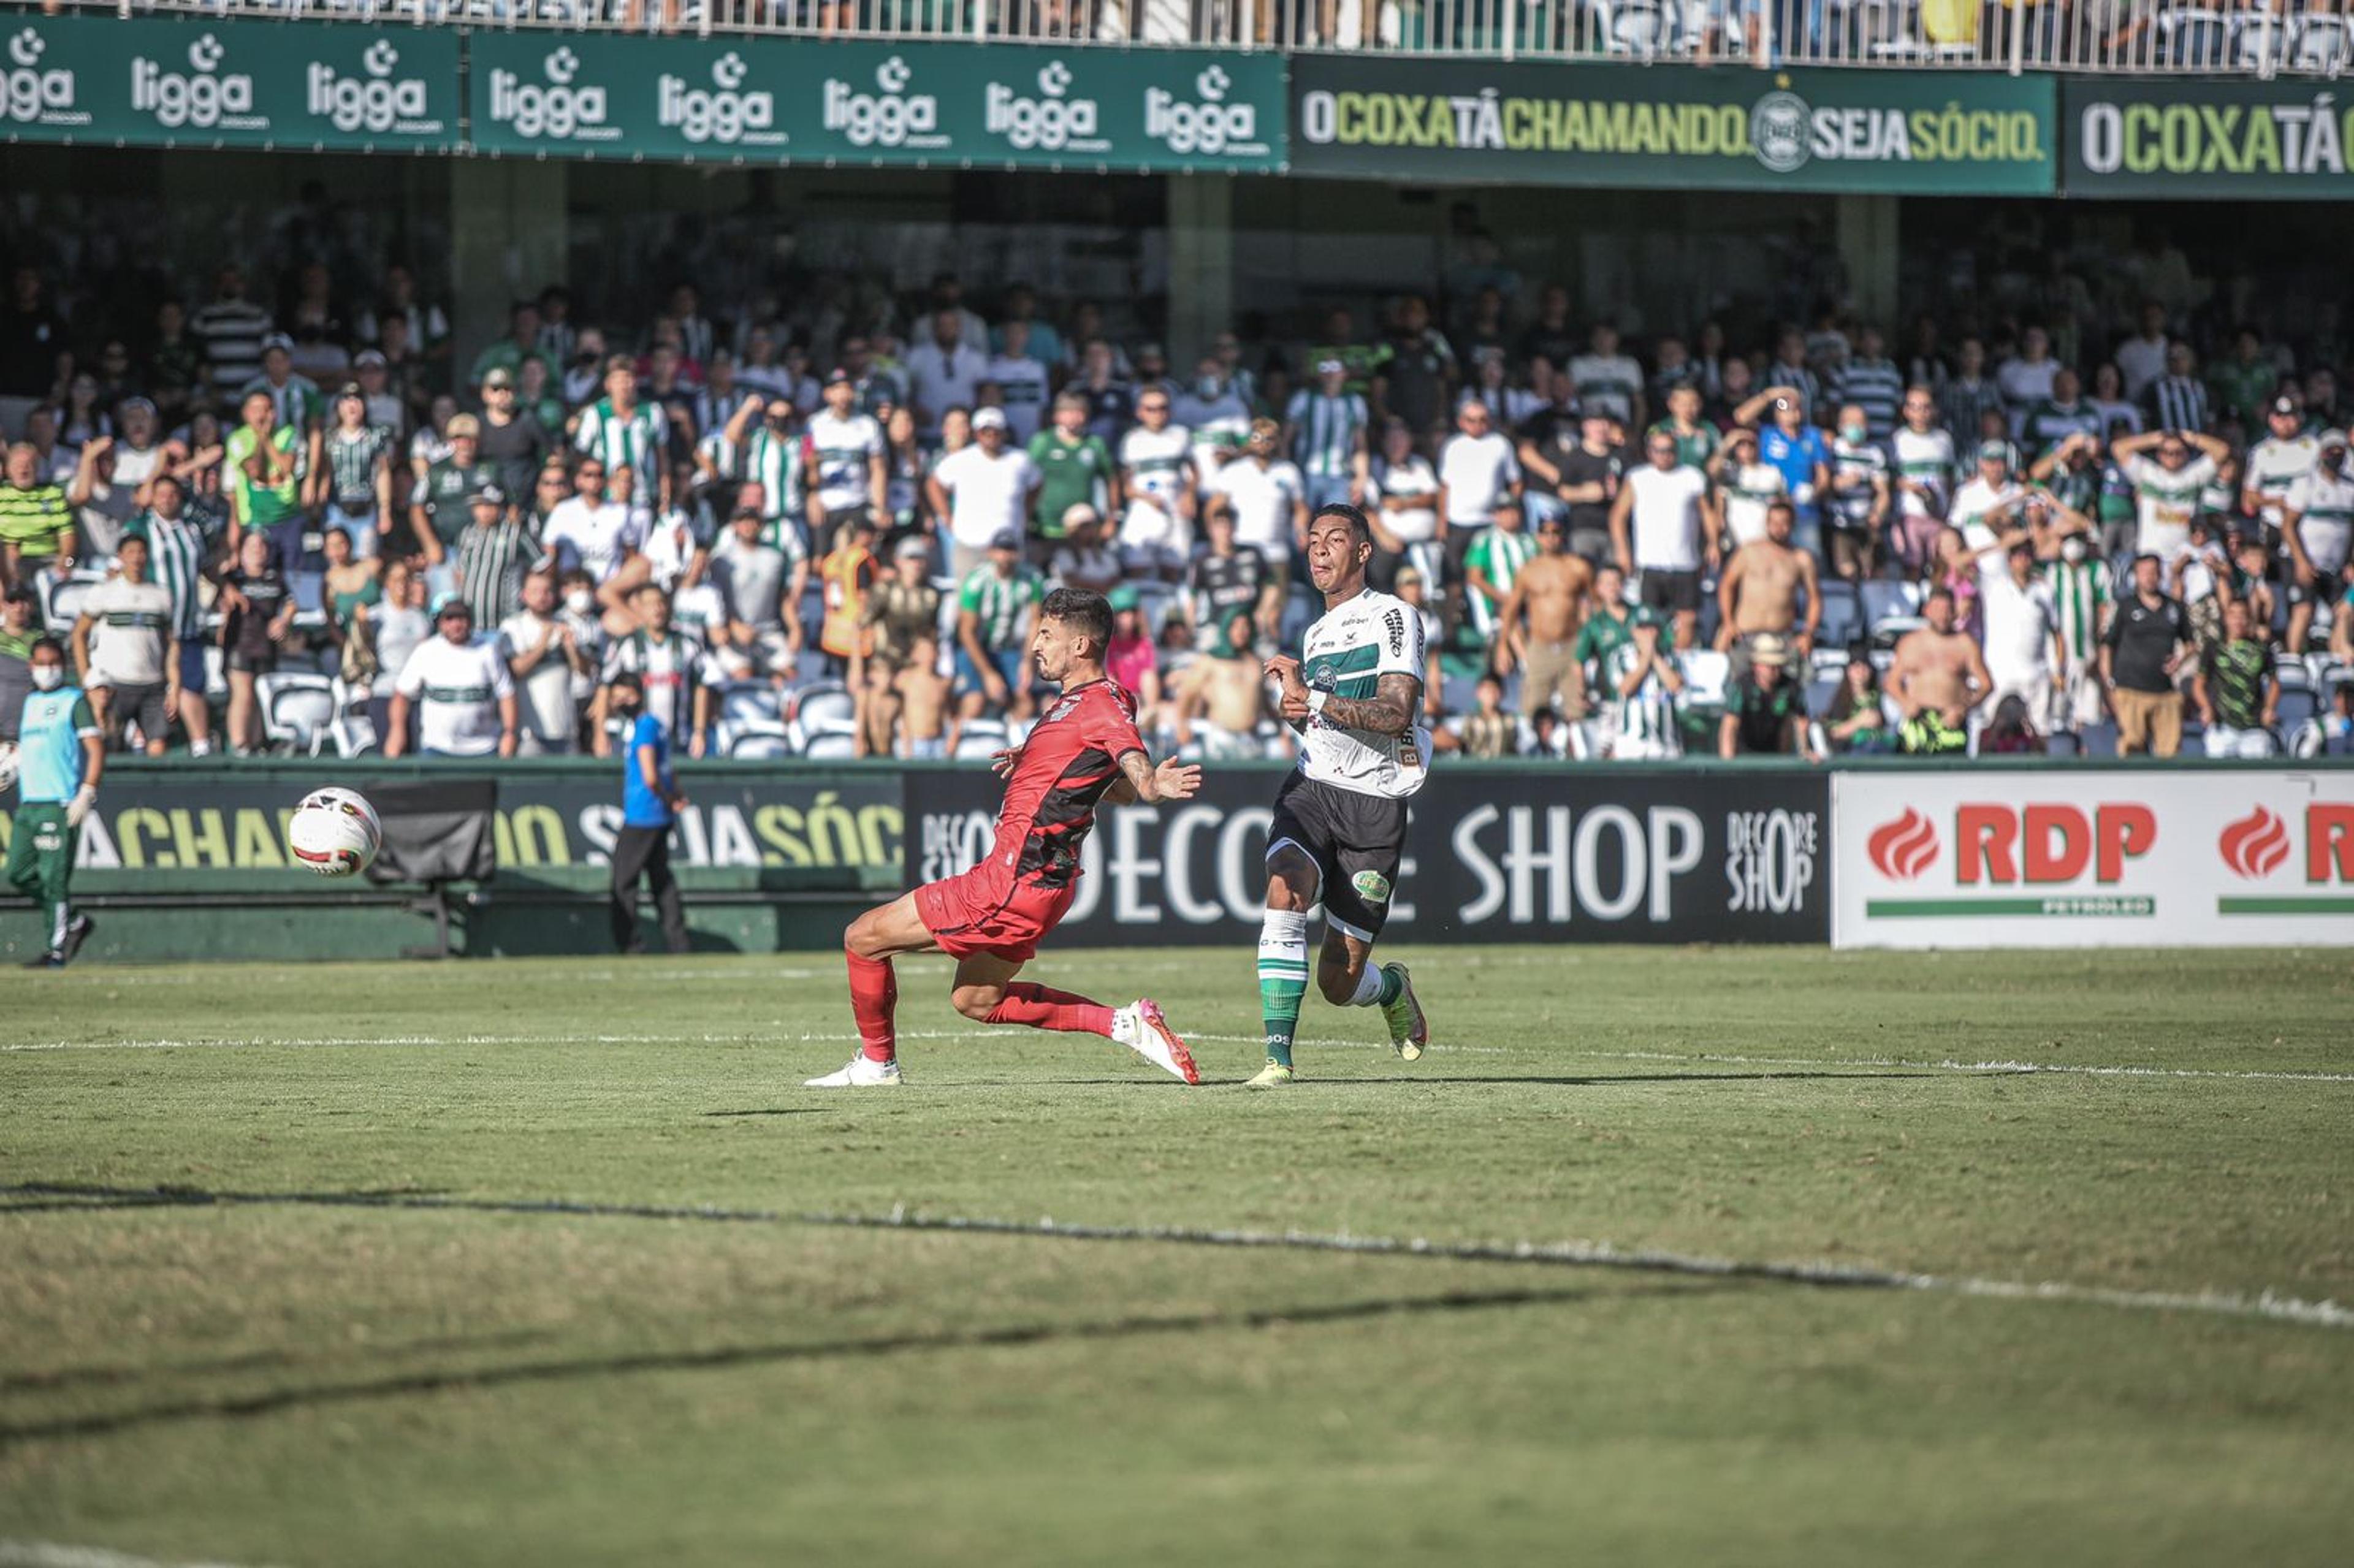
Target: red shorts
[(966, 914)]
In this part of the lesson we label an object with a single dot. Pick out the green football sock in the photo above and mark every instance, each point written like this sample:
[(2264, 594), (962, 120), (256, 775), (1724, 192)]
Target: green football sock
[(1282, 979)]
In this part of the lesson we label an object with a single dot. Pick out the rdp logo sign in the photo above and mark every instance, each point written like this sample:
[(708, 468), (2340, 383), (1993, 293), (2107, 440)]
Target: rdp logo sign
[(202, 98), (2289, 863), (375, 100), (32, 95)]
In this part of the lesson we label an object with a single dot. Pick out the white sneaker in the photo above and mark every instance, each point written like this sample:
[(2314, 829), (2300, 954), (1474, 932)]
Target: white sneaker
[(1142, 1029), (863, 1072)]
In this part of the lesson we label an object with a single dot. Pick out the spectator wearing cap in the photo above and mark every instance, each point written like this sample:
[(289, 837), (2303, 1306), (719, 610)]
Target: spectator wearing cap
[(1788, 442), (20, 628), (2146, 643), (1990, 506), (1074, 470), (460, 689), (513, 440), (761, 589), (997, 606), (493, 551), (295, 397), (2274, 463), (230, 327), (257, 610), (1765, 710), (985, 491), (441, 506), (354, 485), (651, 802), (2317, 531), (1746, 487), (133, 675), (622, 430), (849, 460), (1325, 429), (387, 406)]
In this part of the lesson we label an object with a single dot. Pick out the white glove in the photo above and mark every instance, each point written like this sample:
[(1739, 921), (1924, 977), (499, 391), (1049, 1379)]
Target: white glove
[(85, 800)]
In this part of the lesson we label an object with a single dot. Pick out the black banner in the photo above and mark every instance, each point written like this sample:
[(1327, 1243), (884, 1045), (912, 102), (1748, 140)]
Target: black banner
[(1595, 854)]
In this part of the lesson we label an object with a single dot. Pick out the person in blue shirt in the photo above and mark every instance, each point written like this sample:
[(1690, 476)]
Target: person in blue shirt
[(62, 753), (1786, 441), (651, 802)]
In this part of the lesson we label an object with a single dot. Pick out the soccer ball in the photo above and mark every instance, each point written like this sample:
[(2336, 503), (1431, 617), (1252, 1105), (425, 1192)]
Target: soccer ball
[(334, 832)]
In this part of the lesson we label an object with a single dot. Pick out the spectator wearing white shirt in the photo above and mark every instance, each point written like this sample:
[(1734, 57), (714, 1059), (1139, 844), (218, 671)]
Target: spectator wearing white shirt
[(2317, 530), (983, 490), (1989, 506), (460, 688), (1402, 507), (2141, 359), (1664, 526), (1746, 486), (2167, 488), (2026, 379), (1156, 476), (594, 532), (1021, 383), (1216, 415), (1267, 498), (1608, 381), (544, 657), (1478, 477), (1923, 450), (2021, 632), (944, 373)]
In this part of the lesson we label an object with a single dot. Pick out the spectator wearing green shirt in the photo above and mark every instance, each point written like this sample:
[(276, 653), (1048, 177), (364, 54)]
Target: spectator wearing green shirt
[(996, 607), (297, 399), (1362, 363), (1696, 439), (2236, 692), (438, 511), (1607, 623), (2245, 381), (521, 343), (36, 527), (1075, 469), (265, 463)]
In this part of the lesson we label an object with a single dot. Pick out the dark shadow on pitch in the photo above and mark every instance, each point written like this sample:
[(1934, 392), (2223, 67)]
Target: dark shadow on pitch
[(1015, 1336), (255, 1361), (773, 1110)]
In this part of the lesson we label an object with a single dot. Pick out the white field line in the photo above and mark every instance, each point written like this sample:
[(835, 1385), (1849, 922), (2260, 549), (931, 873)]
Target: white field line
[(1990, 1068), (1604, 1255), (49, 1554)]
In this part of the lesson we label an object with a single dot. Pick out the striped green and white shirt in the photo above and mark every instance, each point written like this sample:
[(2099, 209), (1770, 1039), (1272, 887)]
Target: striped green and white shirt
[(1498, 556), (779, 464), (997, 602), (298, 402), (176, 548), (352, 459), (636, 440), (2079, 592), (1649, 715), (1328, 428)]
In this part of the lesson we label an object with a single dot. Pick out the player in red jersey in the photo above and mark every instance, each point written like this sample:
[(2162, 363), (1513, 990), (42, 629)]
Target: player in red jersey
[(1084, 753)]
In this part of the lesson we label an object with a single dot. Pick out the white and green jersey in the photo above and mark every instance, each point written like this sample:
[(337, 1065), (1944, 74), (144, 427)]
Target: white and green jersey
[(352, 459), (1648, 716), (2273, 465), (176, 559), (298, 402), (997, 603), (2168, 500), (1498, 556), (1851, 506), (2080, 594), (1926, 457), (1325, 444), (1157, 463), (49, 734), (1749, 489), (2324, 504), (843, 451), (779, 464), (635, 440), (1345, 654)]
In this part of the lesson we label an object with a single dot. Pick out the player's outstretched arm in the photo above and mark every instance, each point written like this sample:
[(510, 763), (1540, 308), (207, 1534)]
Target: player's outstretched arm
[(1140, 781)]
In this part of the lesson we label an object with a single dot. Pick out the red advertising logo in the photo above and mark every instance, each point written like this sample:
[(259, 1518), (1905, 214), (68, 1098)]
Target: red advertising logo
[(2256, 845), (2044, 845), (1903, 849)]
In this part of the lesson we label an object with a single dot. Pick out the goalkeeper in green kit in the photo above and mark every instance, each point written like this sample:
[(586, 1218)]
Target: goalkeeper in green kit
[(60, 754)]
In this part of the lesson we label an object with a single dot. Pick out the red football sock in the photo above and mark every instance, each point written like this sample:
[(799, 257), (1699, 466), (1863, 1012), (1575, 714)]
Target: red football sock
[(873, 998), (1042, 1008)]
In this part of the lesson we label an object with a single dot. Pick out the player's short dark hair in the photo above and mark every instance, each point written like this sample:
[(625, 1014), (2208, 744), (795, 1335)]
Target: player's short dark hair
[(51, 643), (1939, 592), (628, 681), (1089, 614), (1353, 516)]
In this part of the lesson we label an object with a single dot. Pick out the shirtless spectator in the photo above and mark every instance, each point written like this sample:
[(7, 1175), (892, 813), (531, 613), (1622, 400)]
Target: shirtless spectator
[(904, 711), (903, 613), (1939, 677), (1759, 593), (1220, 696), (1538, 626)]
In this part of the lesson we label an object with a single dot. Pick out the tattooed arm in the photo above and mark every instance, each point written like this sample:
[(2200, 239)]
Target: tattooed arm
[(1141, 780), (1389, 711)]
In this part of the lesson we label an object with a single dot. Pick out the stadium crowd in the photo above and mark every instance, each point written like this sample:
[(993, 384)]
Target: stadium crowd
[(275, 516)]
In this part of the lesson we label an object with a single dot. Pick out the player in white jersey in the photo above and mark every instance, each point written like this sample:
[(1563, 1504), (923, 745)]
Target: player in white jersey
[(2317, 530), (1338, 834)]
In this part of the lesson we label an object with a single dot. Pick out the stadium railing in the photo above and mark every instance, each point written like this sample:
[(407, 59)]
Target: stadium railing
[(2139, 36)]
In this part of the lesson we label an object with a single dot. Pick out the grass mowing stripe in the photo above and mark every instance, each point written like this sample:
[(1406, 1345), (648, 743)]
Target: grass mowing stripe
[(1569, 1254), (51, 1554)]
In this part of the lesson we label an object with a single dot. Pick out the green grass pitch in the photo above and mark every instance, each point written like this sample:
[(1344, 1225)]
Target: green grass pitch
[(299, 1384)]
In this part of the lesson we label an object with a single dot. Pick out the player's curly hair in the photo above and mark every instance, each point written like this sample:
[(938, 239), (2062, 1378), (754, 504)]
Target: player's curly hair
[(1087, 613)]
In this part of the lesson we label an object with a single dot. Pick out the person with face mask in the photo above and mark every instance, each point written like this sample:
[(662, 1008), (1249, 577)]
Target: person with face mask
[(61, 755), (1859, 495), (2317, 529), (1216, 415), (2082, 601)]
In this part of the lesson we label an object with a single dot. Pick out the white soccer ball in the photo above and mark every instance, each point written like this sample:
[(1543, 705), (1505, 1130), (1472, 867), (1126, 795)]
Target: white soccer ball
[(7, 766), (334, 832)]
